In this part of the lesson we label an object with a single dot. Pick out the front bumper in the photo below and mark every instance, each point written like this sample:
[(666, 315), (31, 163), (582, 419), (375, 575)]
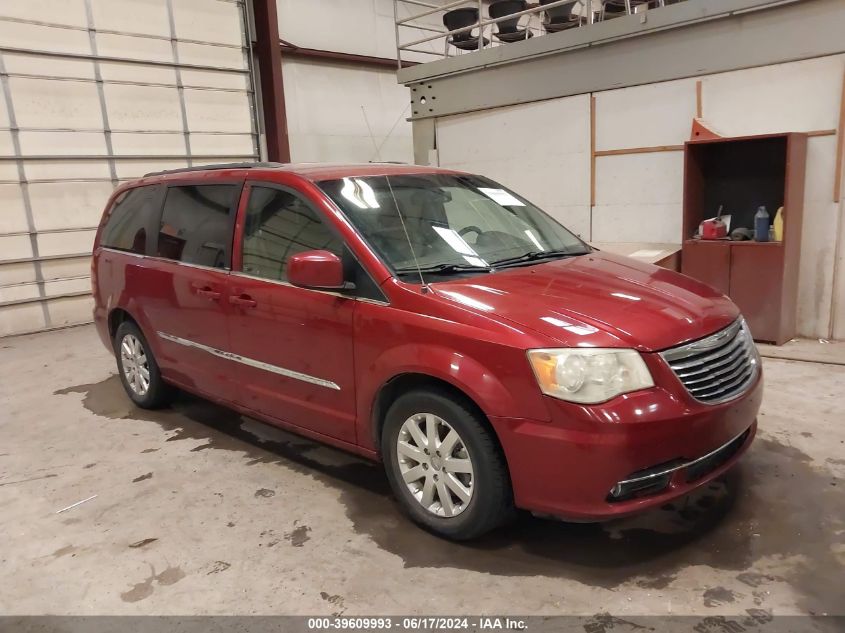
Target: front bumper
[(567, 467)]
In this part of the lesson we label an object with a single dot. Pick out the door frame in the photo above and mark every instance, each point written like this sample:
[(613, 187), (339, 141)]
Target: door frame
[(234, 209), (236, 260)]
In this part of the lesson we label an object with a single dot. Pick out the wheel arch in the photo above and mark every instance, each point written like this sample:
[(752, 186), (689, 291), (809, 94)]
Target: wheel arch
[(402, 383), (116, 317), (122, 314)]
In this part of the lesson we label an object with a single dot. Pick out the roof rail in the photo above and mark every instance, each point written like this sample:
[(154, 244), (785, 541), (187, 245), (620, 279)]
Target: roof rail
[(253, 165)]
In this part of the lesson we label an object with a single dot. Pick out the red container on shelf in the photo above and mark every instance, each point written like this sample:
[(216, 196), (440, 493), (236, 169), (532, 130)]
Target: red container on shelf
[(713, 229)]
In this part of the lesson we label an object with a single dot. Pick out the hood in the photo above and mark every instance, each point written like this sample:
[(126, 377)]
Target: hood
[(598, 300)]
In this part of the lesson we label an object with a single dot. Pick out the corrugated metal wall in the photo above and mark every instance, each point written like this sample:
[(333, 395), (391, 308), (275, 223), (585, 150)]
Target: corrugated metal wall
[(96, 92)]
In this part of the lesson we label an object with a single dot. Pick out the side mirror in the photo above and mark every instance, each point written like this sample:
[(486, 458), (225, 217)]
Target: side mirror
[(319, 270)]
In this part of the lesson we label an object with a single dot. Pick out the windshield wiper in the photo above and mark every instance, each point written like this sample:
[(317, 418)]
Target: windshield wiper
[(533, 256), (445, 269)]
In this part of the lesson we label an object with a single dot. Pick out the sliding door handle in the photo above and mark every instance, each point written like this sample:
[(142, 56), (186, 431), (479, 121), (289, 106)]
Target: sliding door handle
[(244, 301), (208, 293)]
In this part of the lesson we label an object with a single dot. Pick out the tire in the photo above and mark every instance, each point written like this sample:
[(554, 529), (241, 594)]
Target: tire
[(138, 368), (462, 517)]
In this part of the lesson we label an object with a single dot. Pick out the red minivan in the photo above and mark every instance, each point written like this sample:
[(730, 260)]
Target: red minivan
[(433, 320)]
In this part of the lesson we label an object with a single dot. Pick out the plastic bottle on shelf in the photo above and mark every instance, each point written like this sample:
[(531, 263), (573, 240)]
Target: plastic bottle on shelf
[(761, 225), (778, 224)]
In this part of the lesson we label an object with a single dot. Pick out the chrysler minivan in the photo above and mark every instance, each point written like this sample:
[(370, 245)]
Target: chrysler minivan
[(433, 320)]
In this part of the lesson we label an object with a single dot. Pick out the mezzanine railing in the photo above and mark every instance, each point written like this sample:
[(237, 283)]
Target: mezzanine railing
[(463, 26)]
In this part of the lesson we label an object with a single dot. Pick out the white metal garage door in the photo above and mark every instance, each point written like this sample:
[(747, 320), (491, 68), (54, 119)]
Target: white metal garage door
[(95, 92)]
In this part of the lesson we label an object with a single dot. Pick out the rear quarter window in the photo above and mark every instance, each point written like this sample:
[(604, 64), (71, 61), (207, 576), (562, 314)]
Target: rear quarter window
[(196, 224), (131, 220)]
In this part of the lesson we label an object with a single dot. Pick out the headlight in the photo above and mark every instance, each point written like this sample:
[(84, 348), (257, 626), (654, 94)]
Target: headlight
[(589, 375)]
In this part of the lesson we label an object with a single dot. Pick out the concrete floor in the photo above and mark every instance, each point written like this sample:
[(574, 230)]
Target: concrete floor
[(817, 350), (201, 511)]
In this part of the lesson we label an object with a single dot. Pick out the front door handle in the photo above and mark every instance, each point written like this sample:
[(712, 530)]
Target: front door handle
[(208, 293), (245, 301)]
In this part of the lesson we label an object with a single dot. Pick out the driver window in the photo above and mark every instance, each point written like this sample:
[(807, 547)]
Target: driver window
[(278, 225)]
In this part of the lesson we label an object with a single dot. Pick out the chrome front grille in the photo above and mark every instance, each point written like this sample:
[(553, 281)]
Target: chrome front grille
[(718, 367)]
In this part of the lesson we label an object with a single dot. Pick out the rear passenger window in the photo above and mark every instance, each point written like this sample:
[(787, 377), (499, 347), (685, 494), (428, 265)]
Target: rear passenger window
[(280, 224), (131, 218), (196, 225)]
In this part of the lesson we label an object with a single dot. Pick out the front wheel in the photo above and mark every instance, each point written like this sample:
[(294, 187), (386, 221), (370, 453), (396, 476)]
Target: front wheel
[(444, 465), (138, 369)]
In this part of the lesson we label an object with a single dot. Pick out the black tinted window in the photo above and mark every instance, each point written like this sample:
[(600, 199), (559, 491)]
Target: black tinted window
[(278, 225), (196, 224), (131, 218)]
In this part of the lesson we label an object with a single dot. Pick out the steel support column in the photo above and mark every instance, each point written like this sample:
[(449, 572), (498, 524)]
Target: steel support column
[(269, 58)]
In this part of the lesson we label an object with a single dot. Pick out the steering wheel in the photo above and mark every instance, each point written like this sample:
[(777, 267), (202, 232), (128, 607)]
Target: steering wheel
[(470, 229)]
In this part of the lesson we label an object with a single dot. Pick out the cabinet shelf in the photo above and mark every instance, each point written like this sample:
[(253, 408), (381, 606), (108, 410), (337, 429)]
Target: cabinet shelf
[(747, 244), (737, 243), (741, 174)]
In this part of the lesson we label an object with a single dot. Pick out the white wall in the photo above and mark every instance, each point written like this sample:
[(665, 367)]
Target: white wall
[(839, 287), (638, 196), (540, 150), (329, 104), (362, 27), (343, 113)]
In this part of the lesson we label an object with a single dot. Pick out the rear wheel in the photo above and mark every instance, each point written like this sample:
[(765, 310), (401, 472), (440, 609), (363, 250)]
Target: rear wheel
[(444, 465), (138, 369)]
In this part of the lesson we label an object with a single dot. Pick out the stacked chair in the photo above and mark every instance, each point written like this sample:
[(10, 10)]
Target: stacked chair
[(508, 30), (557, 18), (560, 18), (458, 19), (615, 8)]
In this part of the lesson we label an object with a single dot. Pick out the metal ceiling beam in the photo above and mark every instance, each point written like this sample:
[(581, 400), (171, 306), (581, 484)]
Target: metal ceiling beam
[(366, 61)]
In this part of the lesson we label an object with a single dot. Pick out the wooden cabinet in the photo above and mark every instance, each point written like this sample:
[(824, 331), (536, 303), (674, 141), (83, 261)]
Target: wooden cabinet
[(759, 295), (742, 174), (709, 262)]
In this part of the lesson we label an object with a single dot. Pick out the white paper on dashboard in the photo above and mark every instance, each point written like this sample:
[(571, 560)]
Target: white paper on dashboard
[(453, 239), (500, 196)]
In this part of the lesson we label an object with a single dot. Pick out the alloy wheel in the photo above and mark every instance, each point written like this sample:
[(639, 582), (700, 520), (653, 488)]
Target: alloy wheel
[(435, 464), (133, 360)]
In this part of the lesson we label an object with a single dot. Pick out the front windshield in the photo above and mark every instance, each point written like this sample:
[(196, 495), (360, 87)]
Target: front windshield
[(452, 223)]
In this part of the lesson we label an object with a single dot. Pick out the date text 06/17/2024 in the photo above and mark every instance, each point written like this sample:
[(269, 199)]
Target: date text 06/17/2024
[(417, 623)]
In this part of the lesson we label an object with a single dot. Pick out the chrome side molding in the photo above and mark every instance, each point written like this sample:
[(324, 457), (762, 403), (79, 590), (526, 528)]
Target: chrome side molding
[(251, 362)]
